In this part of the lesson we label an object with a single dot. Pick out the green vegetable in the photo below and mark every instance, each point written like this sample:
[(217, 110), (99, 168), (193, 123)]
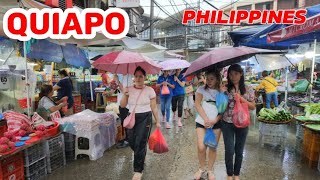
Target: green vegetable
[(273, 115), (312, 109)]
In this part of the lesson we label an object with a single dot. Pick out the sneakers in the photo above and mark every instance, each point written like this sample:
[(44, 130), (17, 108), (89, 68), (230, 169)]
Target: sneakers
[(137, 176), (168, 126), (124, 144), (179, 122), (163, 119)]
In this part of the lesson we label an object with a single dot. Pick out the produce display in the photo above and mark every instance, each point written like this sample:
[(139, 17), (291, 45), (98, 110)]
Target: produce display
[(302, 98), (312, 109), (6, 145), (274, 115)]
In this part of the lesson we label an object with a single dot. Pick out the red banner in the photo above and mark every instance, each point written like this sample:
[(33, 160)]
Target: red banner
[(312, 24)]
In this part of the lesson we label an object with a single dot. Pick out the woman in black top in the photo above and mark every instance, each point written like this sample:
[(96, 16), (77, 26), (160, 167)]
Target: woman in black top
[(64, 88)]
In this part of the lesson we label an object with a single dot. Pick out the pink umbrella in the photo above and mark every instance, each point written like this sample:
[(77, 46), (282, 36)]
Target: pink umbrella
[(221, 57), (170, 64), (125, 62)]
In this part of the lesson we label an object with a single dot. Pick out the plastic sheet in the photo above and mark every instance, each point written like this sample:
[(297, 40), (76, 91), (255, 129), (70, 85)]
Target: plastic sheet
[(99, 128)]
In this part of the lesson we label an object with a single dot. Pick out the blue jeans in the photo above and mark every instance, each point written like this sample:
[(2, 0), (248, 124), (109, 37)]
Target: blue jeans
[(272, 97), (165, 102)]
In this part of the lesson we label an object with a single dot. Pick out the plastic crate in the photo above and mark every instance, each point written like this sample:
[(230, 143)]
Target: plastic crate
[(34, 153), (55, 151), (11, 165), (70, 155), (273, 129), (69, 146), (69, 137), (16, 175), (34, 168), (40, 174)]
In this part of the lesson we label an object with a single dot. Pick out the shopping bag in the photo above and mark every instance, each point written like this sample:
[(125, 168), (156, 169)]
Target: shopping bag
[(301, 85), (130, 120), (165, 90), (157, 143), (221, 102), (210, 139), (240, 115)]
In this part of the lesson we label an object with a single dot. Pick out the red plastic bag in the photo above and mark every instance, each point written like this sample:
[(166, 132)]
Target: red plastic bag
[(157, 143), (240, 115)]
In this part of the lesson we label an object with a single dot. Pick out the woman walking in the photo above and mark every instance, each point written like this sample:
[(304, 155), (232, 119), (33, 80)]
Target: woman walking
[(206, 96), (165, 81), (235, 138), (178, 95), (142, 100), (64, 88)]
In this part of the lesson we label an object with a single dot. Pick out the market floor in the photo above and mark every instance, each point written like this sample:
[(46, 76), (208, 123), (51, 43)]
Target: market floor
[(180, 163)]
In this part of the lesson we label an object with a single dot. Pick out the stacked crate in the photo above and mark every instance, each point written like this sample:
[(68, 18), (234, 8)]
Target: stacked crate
[(55, 152), (35, 161), (12, 167), (69, 142), (311, 147), (274, 134)]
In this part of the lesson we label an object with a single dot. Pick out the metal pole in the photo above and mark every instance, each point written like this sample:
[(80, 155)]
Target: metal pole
[(27, 77), (151, 20), (286, 88), (312, 68), (165, 41)]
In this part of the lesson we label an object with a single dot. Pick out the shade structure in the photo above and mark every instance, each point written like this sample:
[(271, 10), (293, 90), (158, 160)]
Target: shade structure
[(221, 57), (174, 63), (48, 51), (125, 62), (311, 25)]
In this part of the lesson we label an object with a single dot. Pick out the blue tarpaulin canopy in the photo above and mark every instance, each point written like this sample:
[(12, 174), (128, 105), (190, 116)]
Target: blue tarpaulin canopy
[(48, 51), (256, 36)]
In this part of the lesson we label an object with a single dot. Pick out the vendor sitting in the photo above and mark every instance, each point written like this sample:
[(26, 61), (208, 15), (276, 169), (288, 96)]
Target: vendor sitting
[(46, 104), (270, 86)]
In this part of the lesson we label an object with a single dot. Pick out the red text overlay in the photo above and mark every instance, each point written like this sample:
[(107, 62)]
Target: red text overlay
[(237, 17), (54, 23)]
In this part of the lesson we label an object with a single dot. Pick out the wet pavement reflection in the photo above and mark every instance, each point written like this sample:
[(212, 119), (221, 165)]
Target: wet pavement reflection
[(180, 163)]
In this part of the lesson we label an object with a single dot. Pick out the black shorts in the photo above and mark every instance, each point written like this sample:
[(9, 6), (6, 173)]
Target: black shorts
[(218, 125)]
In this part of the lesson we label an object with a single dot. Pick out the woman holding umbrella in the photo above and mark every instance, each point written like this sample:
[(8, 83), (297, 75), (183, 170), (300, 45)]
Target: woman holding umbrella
[(235, 138), (143, 106), (178, 95)]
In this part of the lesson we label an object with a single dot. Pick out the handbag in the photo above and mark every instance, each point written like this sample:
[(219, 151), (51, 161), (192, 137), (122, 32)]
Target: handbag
[(189, 89), (130, 120), (165, 90)]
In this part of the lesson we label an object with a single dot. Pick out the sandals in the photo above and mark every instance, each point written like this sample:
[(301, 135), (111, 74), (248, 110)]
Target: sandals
[(211, 175), (199, 175), (137, 176)]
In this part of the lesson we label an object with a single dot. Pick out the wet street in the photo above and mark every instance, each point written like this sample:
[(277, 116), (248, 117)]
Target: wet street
[(180, 163)]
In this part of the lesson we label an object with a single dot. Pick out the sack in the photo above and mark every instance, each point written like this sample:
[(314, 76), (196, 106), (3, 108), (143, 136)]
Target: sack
[(221, 102), (301, 85), (189, 89), (157, 143), (240, 115), (211, 112), (130, 120), (210, 139), (165, 90)]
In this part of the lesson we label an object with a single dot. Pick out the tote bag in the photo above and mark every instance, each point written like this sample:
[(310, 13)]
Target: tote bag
[(165, 90), (130, 121)]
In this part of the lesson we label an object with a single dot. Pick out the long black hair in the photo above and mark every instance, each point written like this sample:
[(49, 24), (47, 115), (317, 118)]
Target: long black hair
[(139, 68), (64, 73), (45, 90), (242, 86)]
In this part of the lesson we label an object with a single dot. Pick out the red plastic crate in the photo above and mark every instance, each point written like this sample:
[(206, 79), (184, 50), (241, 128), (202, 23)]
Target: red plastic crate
[(16, 175), (11, 165), (3, 129)]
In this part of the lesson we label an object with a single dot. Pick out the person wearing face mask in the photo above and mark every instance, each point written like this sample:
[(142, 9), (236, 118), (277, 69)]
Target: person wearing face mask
[(178, 95), (235, 138), (142, 100)]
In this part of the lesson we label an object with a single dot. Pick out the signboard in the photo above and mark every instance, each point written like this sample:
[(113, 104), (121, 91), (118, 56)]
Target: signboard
[(312, 24), (4, 82), (127, 3), (55, 116)]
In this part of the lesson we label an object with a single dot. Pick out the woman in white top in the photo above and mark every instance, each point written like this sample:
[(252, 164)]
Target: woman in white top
[(145, 106), (207, 117), (46, 104)]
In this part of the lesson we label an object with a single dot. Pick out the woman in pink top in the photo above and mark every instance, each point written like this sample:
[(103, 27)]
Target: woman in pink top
[(145, 105)]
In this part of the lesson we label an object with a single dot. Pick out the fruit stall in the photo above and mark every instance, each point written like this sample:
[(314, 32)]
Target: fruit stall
[(31, 148)]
